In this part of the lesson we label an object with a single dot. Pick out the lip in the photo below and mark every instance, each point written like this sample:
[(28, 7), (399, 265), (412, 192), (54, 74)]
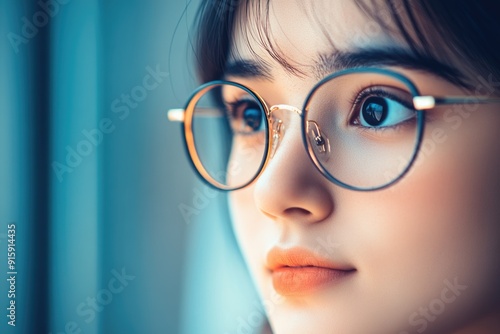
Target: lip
[(298, 271)]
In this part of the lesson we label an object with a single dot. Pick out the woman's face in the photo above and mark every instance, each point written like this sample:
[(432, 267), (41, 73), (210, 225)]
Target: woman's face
[(419, 255)]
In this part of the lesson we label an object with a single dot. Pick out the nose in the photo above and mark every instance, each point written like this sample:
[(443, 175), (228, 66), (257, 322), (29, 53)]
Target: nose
[(278, 128), (291, 188), (321, 143)]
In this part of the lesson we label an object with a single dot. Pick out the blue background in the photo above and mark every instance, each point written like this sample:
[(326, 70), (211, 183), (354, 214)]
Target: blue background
[(118, 208)]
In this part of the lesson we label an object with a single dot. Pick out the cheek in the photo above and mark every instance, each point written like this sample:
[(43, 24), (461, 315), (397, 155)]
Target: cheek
[(440, 222), (253, 230)]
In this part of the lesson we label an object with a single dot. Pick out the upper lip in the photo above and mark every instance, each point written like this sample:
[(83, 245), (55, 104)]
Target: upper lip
[(300, 257)]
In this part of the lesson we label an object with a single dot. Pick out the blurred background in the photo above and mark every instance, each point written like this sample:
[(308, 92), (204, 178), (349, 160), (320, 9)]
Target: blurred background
[(114, 233)]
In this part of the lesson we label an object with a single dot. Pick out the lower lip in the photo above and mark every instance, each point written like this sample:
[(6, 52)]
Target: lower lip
[(289, 281)]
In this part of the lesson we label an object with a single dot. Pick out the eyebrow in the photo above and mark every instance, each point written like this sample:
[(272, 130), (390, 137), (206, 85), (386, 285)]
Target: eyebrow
[(328, 63), (247, 69), (341, 60)]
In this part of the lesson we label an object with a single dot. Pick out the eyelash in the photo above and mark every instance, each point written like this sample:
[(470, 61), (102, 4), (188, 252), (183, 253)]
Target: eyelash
[(357, 101), (231, 106), (231, 110), (371, 91)]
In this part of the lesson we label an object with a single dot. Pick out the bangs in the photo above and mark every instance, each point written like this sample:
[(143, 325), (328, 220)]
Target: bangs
[(460, 32), (449, 31), (218, 21)]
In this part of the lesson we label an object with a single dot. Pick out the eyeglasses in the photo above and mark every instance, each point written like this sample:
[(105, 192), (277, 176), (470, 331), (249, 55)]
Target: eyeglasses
[(362, 128)]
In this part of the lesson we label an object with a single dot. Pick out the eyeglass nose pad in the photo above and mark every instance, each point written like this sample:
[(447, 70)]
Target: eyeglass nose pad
[(278, 131), (319, 140)]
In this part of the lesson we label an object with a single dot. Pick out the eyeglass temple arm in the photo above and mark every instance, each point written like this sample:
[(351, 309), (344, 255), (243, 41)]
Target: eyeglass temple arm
[(178, 115), (429, 102), (419, 103)]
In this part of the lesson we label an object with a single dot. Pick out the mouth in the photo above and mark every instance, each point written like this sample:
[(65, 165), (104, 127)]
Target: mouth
[(297, 271)]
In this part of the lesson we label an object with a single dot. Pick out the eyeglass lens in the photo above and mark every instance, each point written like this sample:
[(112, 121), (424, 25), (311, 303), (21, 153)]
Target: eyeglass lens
[(360, 130)]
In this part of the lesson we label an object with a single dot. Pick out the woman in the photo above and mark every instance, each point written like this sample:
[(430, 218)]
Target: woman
[(359, 142)]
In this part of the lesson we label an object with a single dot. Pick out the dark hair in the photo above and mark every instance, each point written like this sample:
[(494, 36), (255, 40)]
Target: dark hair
[(463, 31)]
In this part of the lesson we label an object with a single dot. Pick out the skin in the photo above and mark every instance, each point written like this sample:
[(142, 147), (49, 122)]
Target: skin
[(440, 222)]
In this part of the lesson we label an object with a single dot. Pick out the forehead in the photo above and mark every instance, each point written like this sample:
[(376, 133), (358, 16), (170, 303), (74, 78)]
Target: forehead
[(300, 32)]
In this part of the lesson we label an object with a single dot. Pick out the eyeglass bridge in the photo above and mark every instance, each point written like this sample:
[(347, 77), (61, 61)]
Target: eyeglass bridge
[(318, 137)]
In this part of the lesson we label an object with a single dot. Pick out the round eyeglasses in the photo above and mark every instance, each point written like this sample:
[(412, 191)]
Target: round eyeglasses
[(362, 128)]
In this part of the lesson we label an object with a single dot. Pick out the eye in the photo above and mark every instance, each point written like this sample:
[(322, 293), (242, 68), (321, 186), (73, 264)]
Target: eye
[(383, 109), (246, 116)]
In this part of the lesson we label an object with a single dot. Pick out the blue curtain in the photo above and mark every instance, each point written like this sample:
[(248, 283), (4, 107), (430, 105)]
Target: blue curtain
[(94, 177)]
